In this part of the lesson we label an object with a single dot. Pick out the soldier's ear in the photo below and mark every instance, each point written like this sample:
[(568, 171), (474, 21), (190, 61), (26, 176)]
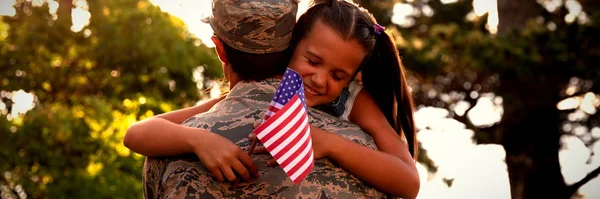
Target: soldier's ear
[(220, 50)]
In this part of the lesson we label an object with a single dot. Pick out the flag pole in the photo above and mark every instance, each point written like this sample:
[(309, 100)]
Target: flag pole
[(250, 152)]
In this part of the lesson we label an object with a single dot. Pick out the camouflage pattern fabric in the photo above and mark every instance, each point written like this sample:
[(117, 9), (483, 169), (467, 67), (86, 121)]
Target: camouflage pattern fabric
[(254, 26), (185, 176)]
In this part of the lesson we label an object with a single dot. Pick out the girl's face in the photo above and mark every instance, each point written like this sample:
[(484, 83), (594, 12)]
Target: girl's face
[(326, 63)]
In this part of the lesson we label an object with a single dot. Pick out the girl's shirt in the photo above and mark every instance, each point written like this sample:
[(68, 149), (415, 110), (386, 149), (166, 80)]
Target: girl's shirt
[(342, 105)]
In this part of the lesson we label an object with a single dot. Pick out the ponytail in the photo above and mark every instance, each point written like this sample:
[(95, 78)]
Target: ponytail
[(384, 79)]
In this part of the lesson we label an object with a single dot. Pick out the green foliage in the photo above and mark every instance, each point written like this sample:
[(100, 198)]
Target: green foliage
[(131, 62)]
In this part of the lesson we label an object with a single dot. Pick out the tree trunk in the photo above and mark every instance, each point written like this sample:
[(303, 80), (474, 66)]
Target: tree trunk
[(531, 122), (514, 14), (65, 8), (531, 138)]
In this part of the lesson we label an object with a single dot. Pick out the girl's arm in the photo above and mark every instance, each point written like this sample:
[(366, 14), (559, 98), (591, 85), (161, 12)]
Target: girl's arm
[(162, 135), (391, 169), (178, 116), (159, 137), (366, 114), (383, 171)]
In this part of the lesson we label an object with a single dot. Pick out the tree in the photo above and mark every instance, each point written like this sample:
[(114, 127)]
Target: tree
[(131, 62), (536, 60)]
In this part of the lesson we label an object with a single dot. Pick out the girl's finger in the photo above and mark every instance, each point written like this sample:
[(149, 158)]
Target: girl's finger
[(217, 173), (228, 173), (272, 163), (256, 124), (260, 149), (240, 169), (248, 163)]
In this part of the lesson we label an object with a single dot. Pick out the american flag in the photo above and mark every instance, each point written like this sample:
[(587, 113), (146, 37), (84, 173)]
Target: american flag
[(285, 130)]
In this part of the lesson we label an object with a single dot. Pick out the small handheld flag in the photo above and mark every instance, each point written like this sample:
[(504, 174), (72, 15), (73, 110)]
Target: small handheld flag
[(285, 131)]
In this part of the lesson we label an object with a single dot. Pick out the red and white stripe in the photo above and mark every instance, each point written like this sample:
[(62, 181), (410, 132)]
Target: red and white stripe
[(286, 135), (273, 108)]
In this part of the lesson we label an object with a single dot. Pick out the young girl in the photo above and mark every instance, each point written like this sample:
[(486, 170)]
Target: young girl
[(382, 76), (332, 42)]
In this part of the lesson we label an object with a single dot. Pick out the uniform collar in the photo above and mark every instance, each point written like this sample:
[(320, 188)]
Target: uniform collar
[(242, 88)]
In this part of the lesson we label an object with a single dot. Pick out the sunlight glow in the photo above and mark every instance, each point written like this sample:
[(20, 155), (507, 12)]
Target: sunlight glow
[(595, 132), (572, 89), (480, 7), (427, 11), (52, 6), (403, 14), (577, 115), (461, 107), (215, 90), (486, 112), (476, 171), (94, 168), (448, 1), (550, 5), (22, 102), (191, 12), (573, 158), (198, 77), (80, 14), (7, 9), (574, 8), (577, 160), (569, 103), (588, 102)]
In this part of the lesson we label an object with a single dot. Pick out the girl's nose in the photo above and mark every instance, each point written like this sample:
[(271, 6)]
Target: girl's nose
[(319, 79)]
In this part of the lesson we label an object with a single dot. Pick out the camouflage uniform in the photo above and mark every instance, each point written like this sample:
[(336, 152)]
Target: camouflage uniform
[(186, 177)]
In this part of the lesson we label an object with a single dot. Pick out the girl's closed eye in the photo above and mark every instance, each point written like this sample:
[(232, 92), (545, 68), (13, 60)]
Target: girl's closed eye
[(311, 62), (337, 77)]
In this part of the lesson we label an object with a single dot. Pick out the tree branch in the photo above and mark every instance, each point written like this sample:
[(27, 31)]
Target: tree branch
[(483, 135), (464, 118), (574, 187)]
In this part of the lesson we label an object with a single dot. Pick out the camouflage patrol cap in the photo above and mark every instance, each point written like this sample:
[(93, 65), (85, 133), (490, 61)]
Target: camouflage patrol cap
[(254, 26)]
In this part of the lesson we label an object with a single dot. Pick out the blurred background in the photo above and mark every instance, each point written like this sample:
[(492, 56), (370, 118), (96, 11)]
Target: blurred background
[(507, 91)]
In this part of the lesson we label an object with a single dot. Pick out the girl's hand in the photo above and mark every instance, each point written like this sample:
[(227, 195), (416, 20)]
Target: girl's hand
[(319, 143), (222, 157)]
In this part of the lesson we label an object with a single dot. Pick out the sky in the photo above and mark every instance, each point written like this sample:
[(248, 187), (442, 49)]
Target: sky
[(478, 171)]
